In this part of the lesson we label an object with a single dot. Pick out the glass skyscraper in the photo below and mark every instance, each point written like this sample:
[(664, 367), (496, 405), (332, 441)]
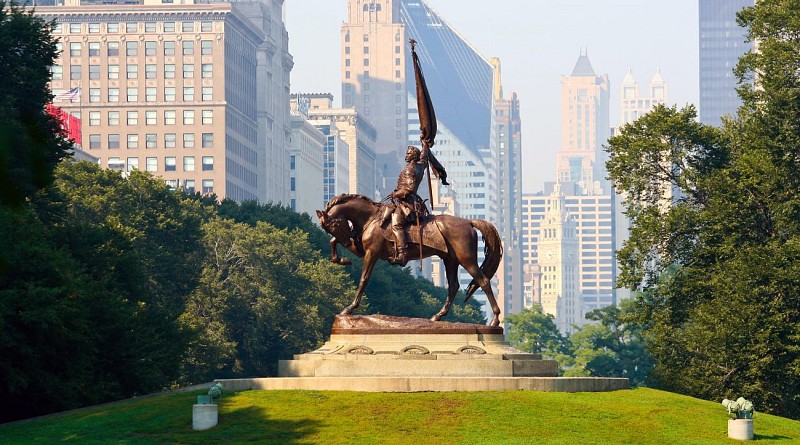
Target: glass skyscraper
[(722, 42)]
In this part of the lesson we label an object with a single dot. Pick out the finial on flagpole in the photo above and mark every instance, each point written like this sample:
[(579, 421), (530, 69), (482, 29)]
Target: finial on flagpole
[(412, 42)]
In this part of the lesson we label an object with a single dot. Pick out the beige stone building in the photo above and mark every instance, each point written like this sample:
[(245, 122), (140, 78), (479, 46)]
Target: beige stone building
[(194, 93)]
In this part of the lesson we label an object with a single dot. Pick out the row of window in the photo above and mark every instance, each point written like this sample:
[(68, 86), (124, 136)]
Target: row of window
[(151, 117), (133, 141), (131, 71), (131, 27), (170, 94), (132, 48), (170, 163)]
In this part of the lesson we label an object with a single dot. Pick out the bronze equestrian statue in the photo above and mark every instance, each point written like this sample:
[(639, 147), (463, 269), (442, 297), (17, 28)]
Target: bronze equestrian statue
[(359, 224)]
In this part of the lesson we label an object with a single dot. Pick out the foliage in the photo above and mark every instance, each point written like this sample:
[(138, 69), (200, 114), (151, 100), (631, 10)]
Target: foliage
[(264, 294), (728, 245), (640, 416), (31, 143), (534, 331)]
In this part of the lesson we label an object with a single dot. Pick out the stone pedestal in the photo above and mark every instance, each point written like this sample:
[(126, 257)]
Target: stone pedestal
[(204, 416), (383, 346), (740, 429)]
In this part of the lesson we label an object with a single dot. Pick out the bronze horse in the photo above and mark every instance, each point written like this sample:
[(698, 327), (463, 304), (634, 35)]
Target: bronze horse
[(355, 222)]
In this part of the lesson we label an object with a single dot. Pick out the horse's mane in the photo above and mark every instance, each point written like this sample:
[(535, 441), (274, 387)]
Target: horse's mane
[(341, 199)]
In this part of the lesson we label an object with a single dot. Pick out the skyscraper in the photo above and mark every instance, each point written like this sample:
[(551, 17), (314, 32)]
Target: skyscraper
[(195, 93), (722, 42), (635, 103), (584, 125)]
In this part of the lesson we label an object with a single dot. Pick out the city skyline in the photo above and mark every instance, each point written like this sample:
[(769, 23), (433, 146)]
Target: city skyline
[(537, 44)]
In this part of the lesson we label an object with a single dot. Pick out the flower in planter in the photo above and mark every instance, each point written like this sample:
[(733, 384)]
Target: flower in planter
[(739, 409)]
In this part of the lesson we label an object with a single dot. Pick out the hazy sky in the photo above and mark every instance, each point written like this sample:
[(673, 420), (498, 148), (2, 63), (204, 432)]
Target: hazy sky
[(537, 42)]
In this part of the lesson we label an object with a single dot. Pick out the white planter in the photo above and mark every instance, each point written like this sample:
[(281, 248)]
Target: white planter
[(740, 429), (204, 416)]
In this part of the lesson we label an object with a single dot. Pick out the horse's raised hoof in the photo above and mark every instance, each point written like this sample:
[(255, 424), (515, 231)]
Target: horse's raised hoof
[(495, 321)]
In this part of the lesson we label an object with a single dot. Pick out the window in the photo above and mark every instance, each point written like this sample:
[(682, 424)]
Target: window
[(133, 164), (112, 27), (75, 72), (366, 37), (206, 47), (150, 48), (169, 71), (208, 92), (187, 26), (188, 94), (133, 118), (131, 48), (188, 47), (150, 94), (189, 186), (150, 71), (94, 118), (150, 117), (133, 94), (346, 62), (151, 164), (208, 117), (188, 140), (169, 94), (292, 184), (57, 72), (206, 26), (188, 163), (169, 48), (169, 27), (366, 62), (133, 141), (206, 68), (58, 29), (74, 28), (188, 71), (169, 117), (113, 94), (94, 49), (112, 49), (113, 118), (94, 141), (151, 140), (208, 163), (133, 71), (292, 162), (113, 141), (169, 140), (397, 50), (131, 27), (347, 50), (188, 117), (169, 164), (208, 140), (149, 26), (208, 186), (94, 71)]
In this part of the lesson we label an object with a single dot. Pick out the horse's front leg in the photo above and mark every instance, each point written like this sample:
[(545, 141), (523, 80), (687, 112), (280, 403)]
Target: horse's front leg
[(335, 254), (369, 263)]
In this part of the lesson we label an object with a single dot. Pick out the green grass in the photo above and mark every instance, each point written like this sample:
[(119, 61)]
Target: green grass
[(637, 416)]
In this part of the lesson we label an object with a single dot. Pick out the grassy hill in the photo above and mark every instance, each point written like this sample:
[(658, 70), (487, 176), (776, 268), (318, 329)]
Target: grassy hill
[(637, 416)]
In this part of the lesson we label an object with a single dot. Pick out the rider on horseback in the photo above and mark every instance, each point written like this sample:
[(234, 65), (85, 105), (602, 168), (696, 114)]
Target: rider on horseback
[(405, 195)]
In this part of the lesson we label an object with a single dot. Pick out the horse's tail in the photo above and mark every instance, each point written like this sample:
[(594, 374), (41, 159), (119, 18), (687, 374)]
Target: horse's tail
[(492, 253)]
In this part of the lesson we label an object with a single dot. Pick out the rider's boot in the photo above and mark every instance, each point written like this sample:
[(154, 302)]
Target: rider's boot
[(400, 237)]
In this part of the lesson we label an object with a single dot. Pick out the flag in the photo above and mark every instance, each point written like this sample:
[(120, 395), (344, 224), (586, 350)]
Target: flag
[(427, 116), (68, 95)]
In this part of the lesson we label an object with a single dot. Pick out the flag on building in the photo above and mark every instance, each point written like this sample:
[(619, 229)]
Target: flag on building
[(68, 95), (70, 124)]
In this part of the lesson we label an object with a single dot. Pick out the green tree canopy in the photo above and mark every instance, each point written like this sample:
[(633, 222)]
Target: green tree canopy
[(31, 143), (717, 257)]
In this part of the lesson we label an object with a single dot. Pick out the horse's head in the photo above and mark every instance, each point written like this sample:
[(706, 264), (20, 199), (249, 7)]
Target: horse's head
[(339, 228)]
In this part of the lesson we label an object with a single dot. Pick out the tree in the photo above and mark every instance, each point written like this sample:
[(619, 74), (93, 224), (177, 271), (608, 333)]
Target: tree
[(31, 142), (718, 266), (534, 331)]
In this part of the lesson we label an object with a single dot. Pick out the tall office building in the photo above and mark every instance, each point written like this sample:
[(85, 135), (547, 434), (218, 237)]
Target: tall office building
[(378, 80), (305, 162), (508, 131), (195, 93), (722, 42), (584, 125), (635, 103)]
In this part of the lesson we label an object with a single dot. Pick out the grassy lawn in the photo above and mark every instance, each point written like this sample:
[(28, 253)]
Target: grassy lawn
[(638, 416)]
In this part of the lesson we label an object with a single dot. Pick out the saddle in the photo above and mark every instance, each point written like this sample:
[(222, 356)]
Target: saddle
[(431, 234)]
